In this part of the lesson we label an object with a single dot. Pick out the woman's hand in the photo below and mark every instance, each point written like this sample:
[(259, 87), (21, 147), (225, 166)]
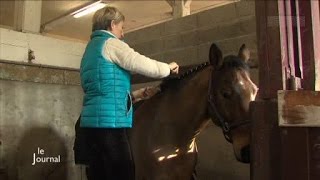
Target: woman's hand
[(150, 91), (144, 93), (174, 68)]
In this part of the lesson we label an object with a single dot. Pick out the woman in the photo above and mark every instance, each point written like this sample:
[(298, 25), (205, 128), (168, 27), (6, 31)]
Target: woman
[(107, 103)]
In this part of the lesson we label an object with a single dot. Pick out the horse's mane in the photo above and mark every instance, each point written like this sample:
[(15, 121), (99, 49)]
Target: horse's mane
[(230, 61), (175, 81)]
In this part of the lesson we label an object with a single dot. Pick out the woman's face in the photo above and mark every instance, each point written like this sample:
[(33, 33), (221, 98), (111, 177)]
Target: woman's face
[(117, 29)]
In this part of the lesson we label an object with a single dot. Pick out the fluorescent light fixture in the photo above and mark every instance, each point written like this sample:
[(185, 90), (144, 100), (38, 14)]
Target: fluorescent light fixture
[(89, 9)]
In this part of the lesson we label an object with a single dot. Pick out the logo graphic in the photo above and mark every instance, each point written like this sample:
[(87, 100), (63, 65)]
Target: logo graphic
[(40, 157)]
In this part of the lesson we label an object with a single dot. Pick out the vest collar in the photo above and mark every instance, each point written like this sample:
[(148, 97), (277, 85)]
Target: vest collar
[(102, 33)]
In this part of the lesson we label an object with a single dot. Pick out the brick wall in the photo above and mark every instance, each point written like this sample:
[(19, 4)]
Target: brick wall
[(187, 40)]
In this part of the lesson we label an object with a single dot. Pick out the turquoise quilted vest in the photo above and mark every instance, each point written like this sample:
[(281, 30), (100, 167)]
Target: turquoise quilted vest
[(107, 101)]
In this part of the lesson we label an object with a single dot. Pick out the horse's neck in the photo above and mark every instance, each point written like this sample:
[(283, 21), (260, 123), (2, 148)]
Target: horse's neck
[(197, 96), (174, 117), (190, 104)]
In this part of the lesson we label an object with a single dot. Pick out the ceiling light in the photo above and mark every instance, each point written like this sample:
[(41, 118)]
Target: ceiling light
[(88, 9)]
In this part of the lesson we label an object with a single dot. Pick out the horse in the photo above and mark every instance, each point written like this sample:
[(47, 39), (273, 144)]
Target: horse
[(165, 126)]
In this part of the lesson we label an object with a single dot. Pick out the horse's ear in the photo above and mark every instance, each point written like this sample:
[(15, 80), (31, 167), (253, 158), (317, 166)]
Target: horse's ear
[(244, 53), (215, 56)]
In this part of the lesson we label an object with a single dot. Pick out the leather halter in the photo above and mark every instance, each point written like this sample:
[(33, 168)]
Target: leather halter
[(225, 126)]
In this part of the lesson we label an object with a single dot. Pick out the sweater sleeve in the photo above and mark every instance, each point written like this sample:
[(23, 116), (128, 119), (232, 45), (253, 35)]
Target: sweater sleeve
[(120, 53)]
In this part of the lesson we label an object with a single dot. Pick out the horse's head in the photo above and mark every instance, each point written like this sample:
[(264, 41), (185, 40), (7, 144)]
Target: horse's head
[(230, 93)]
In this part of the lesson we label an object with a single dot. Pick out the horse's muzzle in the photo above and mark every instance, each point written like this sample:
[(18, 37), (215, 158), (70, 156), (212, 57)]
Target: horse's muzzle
[(245, 154)]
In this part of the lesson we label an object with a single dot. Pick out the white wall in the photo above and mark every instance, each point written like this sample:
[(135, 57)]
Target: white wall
[(14, 46)]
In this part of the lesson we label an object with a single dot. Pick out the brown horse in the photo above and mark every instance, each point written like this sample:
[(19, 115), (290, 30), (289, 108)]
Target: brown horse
[(165, 126)]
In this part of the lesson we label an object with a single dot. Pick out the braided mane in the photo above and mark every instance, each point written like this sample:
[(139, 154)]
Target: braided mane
[(169, 82), (230, 61)]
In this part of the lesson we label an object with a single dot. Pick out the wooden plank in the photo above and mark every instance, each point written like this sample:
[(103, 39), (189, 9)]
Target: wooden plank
[(299, 108), (316, 41), (265, 141), (282, 153), (294, 153), (294, 63), (300, 157), (310, 43), (314, 153), (271, 48)]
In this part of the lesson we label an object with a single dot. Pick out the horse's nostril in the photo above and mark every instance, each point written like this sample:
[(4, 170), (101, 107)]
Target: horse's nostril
[(245, 154)]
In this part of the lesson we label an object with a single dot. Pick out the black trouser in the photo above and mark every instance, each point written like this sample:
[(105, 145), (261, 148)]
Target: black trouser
[(111, 155)]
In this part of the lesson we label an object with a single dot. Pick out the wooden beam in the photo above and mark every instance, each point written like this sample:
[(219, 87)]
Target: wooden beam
[(265, 140), (28, 16), (180, 8), (18, 9), (187, 3), (310, 43), (272, 54), (271, 48), (170, 2), (299, 108)]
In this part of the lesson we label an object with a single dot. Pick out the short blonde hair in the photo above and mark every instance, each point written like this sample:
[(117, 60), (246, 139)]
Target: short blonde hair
[(102, 18)]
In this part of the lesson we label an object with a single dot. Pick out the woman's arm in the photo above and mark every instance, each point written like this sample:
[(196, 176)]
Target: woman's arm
[(120, 53)]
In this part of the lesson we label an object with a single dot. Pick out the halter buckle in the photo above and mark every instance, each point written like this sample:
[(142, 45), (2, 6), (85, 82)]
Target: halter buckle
[(226, 127)]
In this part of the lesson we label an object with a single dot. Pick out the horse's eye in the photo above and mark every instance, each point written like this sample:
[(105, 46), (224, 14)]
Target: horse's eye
[(227, 94)]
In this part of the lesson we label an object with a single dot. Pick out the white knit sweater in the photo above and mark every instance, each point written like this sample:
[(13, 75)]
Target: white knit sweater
[(120, 53)]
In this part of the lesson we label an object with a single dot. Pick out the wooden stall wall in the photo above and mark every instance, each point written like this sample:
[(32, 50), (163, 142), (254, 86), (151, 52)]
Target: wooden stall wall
[(288, 50)]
